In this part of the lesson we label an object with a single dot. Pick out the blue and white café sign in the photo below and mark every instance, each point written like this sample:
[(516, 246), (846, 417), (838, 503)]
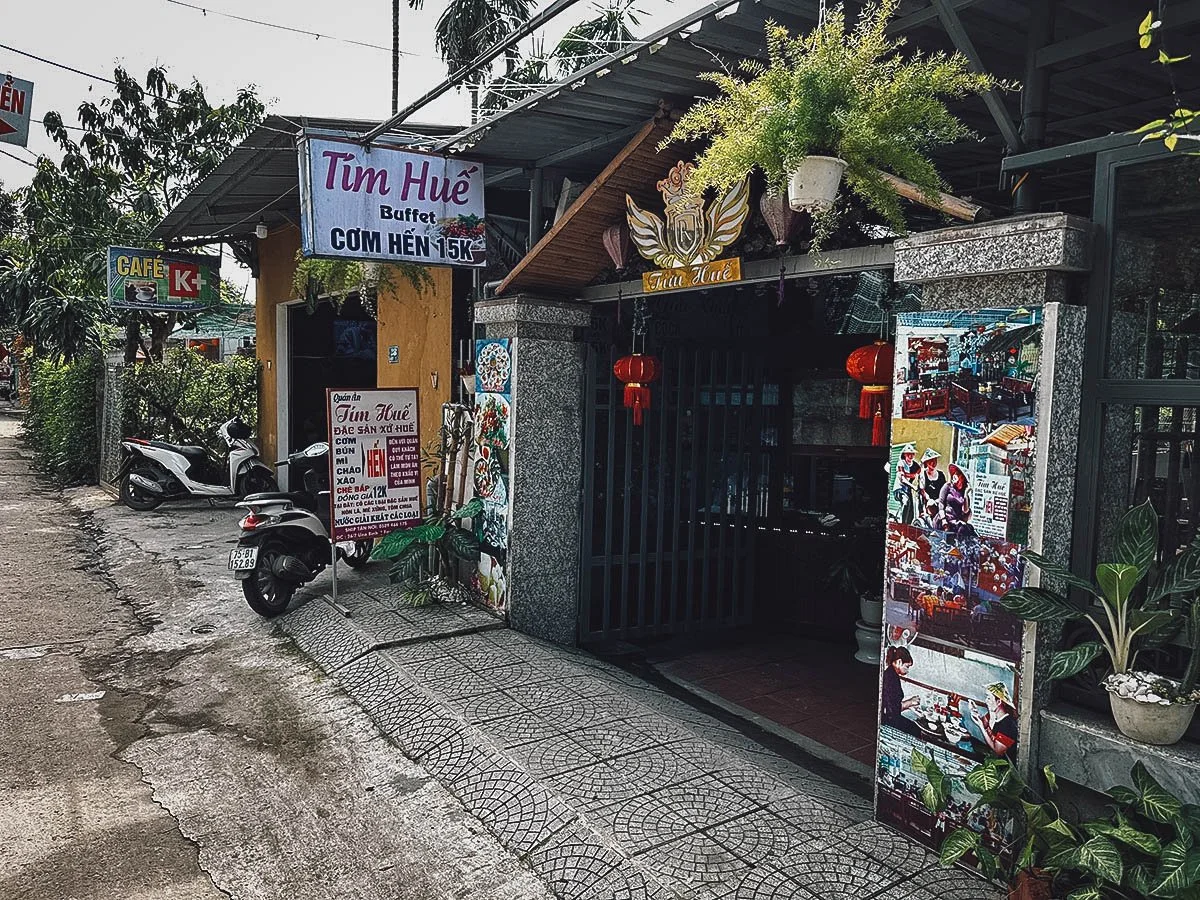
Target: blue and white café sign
[(390, 204)]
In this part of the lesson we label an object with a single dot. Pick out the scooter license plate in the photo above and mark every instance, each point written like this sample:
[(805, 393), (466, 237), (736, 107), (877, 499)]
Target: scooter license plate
[(243, 558)]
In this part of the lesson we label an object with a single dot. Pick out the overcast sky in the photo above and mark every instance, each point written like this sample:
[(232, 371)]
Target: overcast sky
[(295, 74)]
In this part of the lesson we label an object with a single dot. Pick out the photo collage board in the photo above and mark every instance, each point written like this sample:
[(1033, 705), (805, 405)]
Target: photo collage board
[(962, 469), (490, 467)]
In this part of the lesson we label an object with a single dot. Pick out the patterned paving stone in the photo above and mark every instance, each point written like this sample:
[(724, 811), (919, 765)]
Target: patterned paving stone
[(814, 820), (518, 810), (562, 690), (937, 883), (385, 628), (573, 862), (889, 847), (627, 735), (758, 837), (511, 674), (454, 755), (705, 801), (483, 708), (642, 823), (513, 731), (754, 783), (553, 755), (324, 634), (418, 737), (696, 866), (626, 882), (575, 713), (845, 875)]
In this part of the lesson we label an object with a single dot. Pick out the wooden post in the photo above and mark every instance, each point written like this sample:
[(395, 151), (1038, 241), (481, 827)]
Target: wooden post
[(947, 203)]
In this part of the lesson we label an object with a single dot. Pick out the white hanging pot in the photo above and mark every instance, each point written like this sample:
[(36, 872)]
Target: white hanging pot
[(813, 186)]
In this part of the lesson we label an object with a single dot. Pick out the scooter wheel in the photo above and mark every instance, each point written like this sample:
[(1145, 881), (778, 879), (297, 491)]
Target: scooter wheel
[(133, 496), (361, 555), (266, 593)]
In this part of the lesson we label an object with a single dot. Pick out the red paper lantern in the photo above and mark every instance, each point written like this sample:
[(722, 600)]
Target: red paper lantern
[(871, 366), (638, 371)]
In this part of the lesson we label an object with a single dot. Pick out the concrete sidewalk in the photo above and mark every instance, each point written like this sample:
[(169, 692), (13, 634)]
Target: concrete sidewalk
[(603, 784)]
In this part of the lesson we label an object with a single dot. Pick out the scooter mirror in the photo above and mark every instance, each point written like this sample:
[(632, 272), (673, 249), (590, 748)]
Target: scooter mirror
[(318, 449)]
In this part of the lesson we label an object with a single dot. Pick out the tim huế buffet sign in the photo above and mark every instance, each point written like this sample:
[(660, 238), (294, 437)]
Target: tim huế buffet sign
[(390, 204)]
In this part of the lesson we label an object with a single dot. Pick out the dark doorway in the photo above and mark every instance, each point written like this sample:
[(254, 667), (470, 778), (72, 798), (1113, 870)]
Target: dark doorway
[(328, 348)]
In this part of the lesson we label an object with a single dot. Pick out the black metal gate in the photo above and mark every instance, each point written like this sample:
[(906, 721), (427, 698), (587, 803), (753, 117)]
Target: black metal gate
[(670, 508)]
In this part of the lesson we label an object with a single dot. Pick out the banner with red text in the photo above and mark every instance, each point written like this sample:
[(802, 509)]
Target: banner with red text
[(390, 204), (374, 460)]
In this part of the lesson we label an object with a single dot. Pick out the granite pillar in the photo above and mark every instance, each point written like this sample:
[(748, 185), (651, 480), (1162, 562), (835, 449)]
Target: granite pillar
[(1023, 261), (546, 459)]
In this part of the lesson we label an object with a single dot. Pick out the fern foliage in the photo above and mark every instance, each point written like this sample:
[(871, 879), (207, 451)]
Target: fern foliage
[(834, 92)]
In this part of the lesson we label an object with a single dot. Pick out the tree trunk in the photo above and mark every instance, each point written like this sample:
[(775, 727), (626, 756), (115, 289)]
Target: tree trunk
[(160, 330), (133, 339)]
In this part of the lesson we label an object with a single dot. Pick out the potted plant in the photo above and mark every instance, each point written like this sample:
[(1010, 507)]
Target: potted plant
[(1141, 847), (425, 555), (1131, 605), (830, 102)]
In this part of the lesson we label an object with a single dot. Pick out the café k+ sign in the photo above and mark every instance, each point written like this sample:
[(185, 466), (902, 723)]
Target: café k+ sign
[(16, 106), (688, 243), (375, 461), (390, 204), (152, 279)]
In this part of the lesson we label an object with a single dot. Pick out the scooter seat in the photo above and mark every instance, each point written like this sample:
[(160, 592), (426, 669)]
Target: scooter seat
[(297, 498), (189, 451)]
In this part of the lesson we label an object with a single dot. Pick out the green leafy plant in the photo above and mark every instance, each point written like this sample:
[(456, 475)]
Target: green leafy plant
[(60, 426), (833, 93), (440, 538), (337, 279), (1126, 616), (1176, 126), (1145, 846)]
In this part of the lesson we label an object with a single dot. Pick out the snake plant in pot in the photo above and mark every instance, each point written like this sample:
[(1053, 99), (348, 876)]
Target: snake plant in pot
[(832, 101), (1133, 604)]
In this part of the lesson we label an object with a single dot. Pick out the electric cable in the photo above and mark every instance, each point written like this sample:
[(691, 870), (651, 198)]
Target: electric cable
[(313, 34), (17, 158)]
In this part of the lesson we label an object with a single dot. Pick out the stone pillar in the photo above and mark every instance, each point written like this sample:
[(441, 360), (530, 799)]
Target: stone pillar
[(1025, 260), (546, 459)]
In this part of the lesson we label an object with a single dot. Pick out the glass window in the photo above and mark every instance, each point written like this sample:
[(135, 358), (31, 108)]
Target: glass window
[(1155, 307)]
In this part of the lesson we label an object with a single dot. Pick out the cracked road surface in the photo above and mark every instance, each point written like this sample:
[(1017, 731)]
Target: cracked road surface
[(159, 740)]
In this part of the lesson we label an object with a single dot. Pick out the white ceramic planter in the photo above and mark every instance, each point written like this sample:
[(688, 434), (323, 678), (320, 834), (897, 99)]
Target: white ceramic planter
[(871, 610), (1151, 723), (814, 184)]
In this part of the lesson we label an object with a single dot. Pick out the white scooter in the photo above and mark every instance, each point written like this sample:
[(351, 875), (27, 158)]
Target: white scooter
[(284, 542), (154, 471)]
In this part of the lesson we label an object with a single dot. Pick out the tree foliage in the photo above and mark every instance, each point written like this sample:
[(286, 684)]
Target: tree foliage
[(136, 154), (607, 32)]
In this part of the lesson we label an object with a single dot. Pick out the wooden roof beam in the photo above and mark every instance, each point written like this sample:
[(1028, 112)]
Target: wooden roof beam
[(1123, 33)]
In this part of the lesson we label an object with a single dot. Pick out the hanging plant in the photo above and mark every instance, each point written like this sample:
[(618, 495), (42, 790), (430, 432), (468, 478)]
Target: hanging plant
[(337, 279), (844, 99)]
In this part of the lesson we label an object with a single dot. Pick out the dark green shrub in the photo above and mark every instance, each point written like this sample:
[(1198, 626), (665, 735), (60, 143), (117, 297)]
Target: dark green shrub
[(185, 397), (60, 425)]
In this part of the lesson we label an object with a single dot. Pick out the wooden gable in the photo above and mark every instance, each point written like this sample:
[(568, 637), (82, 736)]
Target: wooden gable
[(571, 254)]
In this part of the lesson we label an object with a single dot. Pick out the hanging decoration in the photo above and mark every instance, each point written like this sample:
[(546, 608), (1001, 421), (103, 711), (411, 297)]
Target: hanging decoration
[(871, 366), (781, 219), (616, 243), (638, 371)]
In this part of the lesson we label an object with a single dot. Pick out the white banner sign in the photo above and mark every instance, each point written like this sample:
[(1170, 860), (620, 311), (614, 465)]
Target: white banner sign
[(375, 461), (390, 204), (989, 505), (16, 106)]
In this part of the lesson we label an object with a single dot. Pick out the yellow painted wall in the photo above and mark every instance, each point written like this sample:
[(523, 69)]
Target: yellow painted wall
[(418, 322), (926, 434), (276, 266)]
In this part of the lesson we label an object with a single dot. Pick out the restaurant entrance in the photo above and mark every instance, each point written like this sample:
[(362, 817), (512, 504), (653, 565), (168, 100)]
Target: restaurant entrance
[(732, 536)]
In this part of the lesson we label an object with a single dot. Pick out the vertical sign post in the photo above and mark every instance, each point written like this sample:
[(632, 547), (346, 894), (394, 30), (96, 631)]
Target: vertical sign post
[(374, 464)]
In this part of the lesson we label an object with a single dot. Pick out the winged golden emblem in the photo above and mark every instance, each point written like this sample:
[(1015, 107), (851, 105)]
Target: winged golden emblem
[(691, 234)]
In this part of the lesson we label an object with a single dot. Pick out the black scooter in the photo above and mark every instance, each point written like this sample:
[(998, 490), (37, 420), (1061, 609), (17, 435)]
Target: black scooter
[(285, 536)]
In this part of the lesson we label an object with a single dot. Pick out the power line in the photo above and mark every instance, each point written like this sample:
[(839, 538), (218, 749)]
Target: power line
[(59, 65), (313, 34), (18, 158)]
